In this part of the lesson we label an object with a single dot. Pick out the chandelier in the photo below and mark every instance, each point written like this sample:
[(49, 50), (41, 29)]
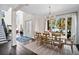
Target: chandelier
[(50, 17), (49, 14)]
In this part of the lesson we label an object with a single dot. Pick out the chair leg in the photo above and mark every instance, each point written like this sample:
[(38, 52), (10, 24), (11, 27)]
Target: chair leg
[(61, 48)]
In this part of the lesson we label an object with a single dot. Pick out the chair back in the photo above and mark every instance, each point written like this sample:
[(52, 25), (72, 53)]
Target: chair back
[(56, 36)]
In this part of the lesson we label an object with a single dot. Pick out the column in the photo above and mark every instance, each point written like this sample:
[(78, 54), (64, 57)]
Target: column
[(77, 40), (13, 21)]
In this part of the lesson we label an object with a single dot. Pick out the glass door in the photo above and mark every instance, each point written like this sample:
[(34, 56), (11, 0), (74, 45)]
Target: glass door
[(67, 24)]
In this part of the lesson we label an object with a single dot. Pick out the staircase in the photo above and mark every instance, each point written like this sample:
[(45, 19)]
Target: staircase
[(2, 34)]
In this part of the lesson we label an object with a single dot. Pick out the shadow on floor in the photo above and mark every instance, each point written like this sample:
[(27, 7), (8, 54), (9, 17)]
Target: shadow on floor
[(7, 49), (13, 50)]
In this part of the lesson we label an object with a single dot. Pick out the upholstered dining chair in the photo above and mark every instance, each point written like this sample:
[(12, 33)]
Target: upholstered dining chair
[(46, 41), (57, 42), (45, 37), (36, 35), (70, 41), (38, 38)]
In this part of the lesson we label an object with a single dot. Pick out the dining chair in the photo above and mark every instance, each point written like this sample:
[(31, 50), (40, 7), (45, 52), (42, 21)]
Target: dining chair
[(57, 42), (38, 38), (70, 41), (36, 35), (46, 41)]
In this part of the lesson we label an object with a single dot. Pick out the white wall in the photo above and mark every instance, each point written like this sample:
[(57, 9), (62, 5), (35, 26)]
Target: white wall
[(38, 23), (8, 17)]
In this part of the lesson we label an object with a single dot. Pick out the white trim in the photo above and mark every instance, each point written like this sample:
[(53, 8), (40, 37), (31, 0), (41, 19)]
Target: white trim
[(13, 19)]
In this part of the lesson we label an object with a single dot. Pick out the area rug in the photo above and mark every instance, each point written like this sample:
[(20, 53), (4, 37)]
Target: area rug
[(23, 39)]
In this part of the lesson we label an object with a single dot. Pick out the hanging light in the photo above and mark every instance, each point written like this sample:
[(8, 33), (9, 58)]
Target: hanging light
[(49, 13), (50, 17)]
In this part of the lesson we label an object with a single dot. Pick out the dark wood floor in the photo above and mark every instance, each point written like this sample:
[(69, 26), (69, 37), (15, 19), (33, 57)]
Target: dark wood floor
[(7, 49)]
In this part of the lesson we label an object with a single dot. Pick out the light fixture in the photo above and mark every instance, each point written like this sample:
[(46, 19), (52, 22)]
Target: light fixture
[(49, 13), (50, 16)]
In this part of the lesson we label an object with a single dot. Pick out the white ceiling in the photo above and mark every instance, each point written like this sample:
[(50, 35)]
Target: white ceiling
[(41, 9), (7, 6)]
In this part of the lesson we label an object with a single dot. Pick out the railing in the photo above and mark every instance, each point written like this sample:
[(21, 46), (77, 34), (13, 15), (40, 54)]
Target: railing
[(4, 26)]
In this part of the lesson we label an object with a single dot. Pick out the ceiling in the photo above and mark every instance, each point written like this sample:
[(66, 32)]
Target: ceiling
[(7, 6), (41, 9)]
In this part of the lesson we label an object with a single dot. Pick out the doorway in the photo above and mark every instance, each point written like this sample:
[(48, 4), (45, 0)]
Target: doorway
[(28, 28)]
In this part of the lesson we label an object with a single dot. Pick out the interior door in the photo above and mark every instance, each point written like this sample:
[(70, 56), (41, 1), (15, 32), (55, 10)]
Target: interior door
[(28, 27)]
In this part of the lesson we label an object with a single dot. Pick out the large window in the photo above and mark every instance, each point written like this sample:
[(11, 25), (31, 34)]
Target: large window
[(57, 24), (64, 23)]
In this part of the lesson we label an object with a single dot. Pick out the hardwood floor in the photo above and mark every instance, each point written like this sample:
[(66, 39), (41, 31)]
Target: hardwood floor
[(7, 49), (21, 50), (29, 49), (42, 50), (4, 49)]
